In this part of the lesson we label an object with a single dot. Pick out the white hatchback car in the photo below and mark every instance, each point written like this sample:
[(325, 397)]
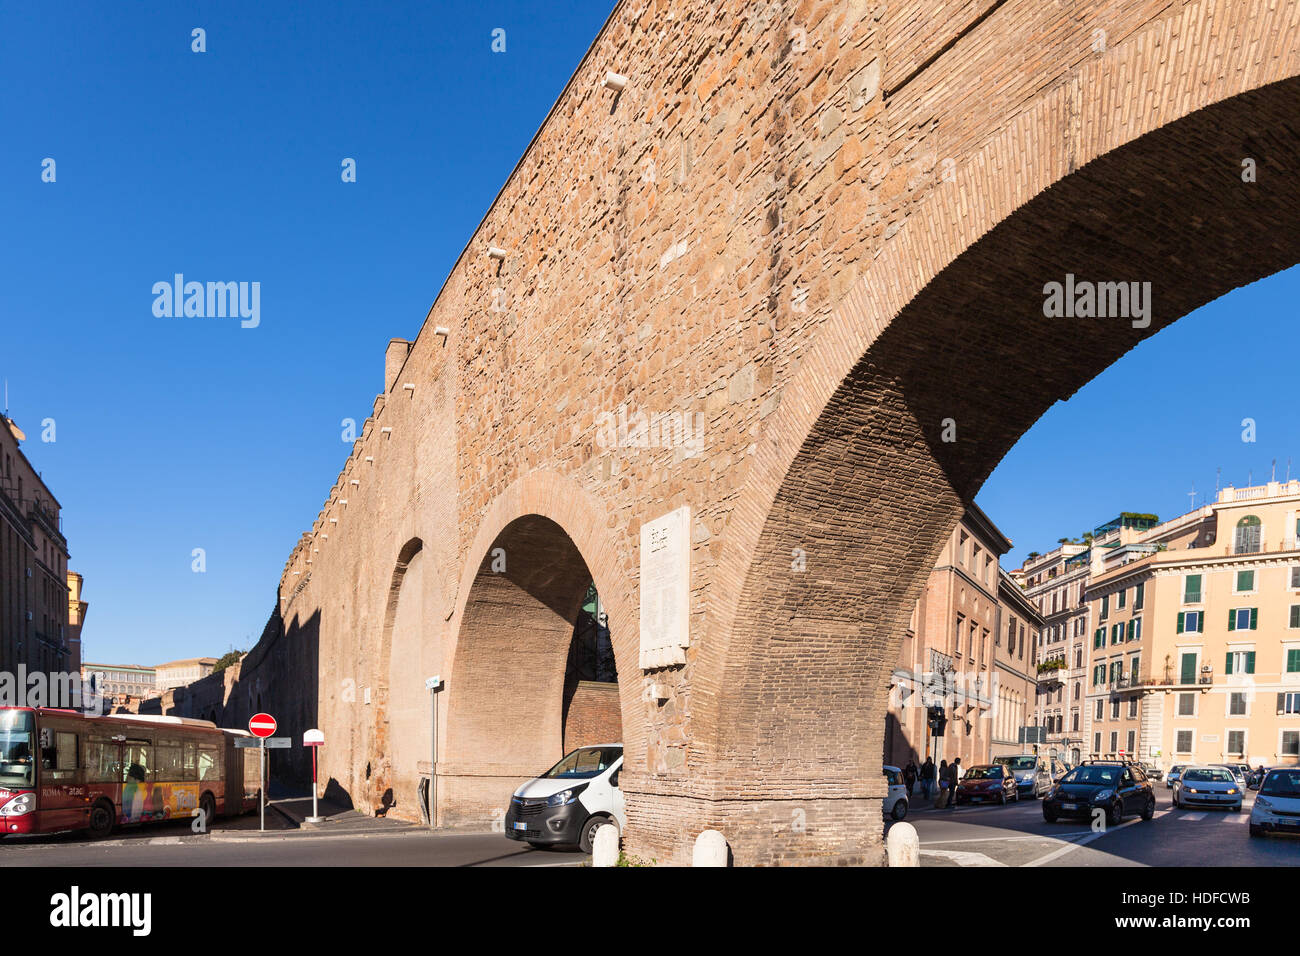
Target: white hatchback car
[(895, 803), (1277, 805)]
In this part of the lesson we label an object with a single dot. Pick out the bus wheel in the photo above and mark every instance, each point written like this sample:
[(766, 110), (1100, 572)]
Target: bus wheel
[(100, 823), (208, 804)]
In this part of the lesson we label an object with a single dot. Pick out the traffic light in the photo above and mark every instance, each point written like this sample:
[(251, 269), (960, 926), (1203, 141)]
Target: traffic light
[(937, 721)]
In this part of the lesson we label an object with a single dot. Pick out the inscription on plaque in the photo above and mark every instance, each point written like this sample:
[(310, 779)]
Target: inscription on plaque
[(665, 589)]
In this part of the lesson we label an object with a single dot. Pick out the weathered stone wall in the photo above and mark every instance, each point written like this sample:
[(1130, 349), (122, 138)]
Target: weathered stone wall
[(594, 716), (818, 231)]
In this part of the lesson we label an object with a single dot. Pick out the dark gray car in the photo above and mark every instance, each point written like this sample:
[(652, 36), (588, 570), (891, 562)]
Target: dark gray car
[(1032, 777)]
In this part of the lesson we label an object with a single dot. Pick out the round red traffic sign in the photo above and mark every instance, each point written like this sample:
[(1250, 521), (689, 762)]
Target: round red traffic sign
[(261, 725)]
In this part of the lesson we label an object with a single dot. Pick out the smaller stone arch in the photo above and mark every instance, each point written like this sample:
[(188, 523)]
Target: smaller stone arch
[(382, 780)]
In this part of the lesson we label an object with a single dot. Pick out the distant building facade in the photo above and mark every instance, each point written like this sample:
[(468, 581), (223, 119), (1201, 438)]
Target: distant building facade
[(179, 673), (969, 650), (34, 600)]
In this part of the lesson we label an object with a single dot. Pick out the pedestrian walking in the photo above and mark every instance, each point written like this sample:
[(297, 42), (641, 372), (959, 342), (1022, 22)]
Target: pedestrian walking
[(954, 778), (909, 777), (927, 777), (941, 800)]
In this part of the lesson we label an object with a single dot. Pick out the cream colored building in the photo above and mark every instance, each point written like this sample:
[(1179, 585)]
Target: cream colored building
[(1195, 635), (179, 673)]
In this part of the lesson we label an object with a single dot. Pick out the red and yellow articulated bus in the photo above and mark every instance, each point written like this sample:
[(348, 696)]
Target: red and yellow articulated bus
[(61, 770)]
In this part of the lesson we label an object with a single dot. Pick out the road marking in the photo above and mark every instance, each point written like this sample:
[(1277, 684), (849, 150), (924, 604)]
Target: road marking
[(1193, 817), (165, 841), (1057, 854), (964, 857), (1050, 837)]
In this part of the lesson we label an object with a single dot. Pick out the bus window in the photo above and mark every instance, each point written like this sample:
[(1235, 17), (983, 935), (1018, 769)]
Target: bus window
[(209, 762), (170, 761), (16, 756), (58, 754), (139, 761), (190, 764), (101, 761)]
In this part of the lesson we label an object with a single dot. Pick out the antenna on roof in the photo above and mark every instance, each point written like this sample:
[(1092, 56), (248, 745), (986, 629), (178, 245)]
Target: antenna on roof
[(1273, 475), (1192, 494), (6, 398)]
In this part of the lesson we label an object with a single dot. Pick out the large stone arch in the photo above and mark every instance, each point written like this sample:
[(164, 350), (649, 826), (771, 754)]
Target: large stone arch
[(1139, 180), (538, 547)]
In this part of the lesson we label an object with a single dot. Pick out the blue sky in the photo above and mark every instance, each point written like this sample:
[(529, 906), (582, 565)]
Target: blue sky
[(182, 434)]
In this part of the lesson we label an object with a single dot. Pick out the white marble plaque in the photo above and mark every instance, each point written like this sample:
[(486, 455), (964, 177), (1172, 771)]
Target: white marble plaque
[(666, 589)]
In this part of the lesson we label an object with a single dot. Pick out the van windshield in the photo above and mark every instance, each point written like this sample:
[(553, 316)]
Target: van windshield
[(17, 768), (584, 763)]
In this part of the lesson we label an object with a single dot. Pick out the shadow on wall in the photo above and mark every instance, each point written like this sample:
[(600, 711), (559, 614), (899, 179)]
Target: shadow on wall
[(334, 793), (280, 676)]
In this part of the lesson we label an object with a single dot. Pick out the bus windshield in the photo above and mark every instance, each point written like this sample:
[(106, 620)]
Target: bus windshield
[(17, 767)]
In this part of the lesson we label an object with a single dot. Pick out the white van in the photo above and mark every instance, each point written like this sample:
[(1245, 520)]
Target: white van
[(567, 804)]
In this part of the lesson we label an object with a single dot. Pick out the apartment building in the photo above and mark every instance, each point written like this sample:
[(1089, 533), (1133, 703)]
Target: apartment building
[(969, 649), (33, 566), (1195, 640), (179, 673)]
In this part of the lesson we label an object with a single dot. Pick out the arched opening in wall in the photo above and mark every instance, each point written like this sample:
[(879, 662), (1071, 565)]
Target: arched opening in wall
[(894, 451), (591, 712), (403, 722), (522, 643)]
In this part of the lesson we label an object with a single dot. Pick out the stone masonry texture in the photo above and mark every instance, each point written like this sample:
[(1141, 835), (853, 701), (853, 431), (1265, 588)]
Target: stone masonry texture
[(820, 232)]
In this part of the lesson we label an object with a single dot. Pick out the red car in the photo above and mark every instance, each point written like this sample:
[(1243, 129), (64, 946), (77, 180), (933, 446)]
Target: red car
[(987, 783)]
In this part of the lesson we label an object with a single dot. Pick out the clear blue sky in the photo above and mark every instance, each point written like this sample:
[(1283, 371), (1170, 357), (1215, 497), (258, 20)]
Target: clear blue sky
[(179, 434)]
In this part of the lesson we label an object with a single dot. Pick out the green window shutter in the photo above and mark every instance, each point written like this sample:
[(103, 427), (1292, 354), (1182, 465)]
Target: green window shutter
[(1182, 620), (1130, 630), (1250, 662), (1293, 660), (1227, 668), (1232, 620), (1254, 618)]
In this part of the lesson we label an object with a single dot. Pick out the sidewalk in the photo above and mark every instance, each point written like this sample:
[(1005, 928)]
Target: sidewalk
[(287, 813)]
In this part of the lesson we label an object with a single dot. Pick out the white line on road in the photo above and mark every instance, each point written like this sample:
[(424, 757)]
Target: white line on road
[(1051, 837), (963, 857), (1057, 854), (1193, 817)]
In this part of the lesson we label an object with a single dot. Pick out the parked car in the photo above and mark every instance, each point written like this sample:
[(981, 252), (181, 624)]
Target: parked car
[(895, 804), (1277, 805), (1172, 776), (1030, 771), (1116, 788), (1208, 787), (567, 805), (1152, 771), (987, 783)]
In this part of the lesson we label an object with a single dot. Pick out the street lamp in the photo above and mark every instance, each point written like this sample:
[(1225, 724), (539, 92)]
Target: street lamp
[(433, 685)]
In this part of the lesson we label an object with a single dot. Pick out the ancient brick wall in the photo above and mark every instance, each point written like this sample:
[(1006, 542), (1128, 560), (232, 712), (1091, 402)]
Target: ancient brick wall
[(816, 232), (594, 716)]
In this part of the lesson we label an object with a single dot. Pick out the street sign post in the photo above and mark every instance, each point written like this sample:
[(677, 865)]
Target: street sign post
[(263, 726), (313, 738), (278, 743), (433, 685)]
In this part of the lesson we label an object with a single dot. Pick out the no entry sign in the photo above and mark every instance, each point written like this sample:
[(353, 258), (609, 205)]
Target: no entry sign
[(261, 725)]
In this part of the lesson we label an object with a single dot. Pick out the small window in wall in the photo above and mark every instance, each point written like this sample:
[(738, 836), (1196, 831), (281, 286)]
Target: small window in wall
[(1245, 582), (1236, 741), (1132, 707), (1290, 743), (1288, 703), (1132, 740), (1293, 660), (1192, 589), (1240, 662), (1138, 596), (1114, 709), (1183, 741), (1237, 704), (1186, 705), (1243, 619), (1121, 597)]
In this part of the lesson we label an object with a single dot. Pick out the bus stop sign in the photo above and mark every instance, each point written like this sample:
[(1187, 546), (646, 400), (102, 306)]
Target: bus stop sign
[(261, 725)]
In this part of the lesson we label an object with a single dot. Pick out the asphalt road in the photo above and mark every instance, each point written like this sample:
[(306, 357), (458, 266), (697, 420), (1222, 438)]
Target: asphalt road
[(1017, 835), (174, 845)]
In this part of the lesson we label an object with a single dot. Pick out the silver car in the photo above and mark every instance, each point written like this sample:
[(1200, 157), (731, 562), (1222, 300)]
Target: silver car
[(1237, 772), (1208, 787), (1172, 776), (1032, 778)]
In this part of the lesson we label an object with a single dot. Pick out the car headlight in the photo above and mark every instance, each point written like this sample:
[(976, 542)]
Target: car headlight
[(23, 803), (561, 799), (1104, 795), (1232, 789), (1263, 804)]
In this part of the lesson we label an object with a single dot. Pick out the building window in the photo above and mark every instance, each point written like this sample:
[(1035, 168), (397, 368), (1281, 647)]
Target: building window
[(1186, 705), (1293, 660), (1192, 589), (1192, 622), (1114, 709), (1288, 703), (1105, 607), (1097, 714), (1114, 741), (1236, 741), (1138, 594), (1245, 582), (1240, 662), (1290, 745), (1121, 597), (1133, 663), (1237, 704), (1243, 619), (1135, 629), (1096, 743), (1295, 616), (1248, 534), (1132, 740), (1132, 707), (1295, 572), (1074, 721), (1183, 741)]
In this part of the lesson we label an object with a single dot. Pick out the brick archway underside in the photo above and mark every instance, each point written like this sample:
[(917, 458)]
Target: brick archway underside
[(873, 489)]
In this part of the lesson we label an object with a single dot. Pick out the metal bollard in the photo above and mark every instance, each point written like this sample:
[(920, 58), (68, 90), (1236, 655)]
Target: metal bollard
[(710, 849), (604, 849), (903, 845)]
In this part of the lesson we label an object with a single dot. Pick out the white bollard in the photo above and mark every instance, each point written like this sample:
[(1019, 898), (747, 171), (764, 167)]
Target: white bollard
[(903, 845), (710, 849), (604, 849)]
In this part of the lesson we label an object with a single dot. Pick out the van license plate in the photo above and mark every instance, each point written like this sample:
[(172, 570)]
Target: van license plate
[(1069, 806), (521, 826)]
